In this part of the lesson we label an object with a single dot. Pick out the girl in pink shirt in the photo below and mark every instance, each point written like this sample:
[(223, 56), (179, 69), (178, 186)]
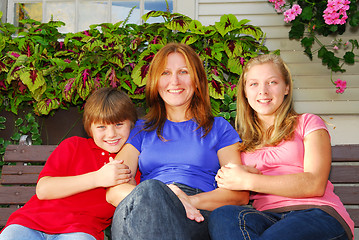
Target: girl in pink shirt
[(292, 197)]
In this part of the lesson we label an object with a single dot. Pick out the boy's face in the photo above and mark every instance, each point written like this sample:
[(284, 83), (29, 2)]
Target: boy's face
[(111, 137)]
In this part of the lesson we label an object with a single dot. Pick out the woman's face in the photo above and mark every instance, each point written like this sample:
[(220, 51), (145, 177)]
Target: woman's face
[(265, 90), (175, 84)]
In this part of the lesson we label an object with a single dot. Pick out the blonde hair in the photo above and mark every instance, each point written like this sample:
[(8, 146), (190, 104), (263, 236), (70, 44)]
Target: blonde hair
[(253, 135), (108, 106), (200, 106)]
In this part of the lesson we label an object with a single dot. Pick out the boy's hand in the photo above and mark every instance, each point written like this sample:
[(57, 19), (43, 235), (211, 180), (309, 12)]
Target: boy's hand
[(113, 173)]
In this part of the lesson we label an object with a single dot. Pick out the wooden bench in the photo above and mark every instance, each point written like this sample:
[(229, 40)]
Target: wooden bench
[(18, 181)]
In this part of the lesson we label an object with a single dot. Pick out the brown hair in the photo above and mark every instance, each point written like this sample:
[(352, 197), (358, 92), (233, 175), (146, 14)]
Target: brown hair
[(253, 135), (200, 106), (108, 106)]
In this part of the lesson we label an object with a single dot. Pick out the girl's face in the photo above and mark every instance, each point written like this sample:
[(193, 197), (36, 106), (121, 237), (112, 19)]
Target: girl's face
[(111, 137), (175, 84), (265, 89)]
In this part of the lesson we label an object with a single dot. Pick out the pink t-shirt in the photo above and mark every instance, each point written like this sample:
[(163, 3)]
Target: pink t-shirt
[(288, 158)]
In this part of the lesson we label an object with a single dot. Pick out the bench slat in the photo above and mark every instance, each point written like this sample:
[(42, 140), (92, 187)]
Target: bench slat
[(345, 153), (344, 174), (354, 214), (17, 195), (5, 214), (349, 195), (32, 153), (20, 174)]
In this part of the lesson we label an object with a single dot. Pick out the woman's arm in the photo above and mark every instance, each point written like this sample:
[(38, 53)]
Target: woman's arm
[(129, 154), (310, 183), (109, 175), (220, 196)]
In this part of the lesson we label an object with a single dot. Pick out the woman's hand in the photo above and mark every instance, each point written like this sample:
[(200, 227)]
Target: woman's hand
[(113, 173), (192, 212), (235, 176)]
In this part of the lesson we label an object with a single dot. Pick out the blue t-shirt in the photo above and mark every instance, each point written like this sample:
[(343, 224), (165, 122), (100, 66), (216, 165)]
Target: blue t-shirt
[(185, 156)]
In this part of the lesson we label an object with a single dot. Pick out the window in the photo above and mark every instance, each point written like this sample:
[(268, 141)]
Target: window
[(78, 15)]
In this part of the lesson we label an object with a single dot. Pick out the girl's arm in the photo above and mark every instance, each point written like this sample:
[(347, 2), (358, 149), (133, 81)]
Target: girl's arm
[(110, 174), (115, 194), (310, 183)]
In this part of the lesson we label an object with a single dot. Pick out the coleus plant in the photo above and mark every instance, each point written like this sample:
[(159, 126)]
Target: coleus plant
[(48, 70)]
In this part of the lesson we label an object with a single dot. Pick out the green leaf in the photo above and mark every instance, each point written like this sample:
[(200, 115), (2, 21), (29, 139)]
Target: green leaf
[(45, 106), (18, 122), (307, 13), (307, 42), (349, 57), (2, 119), (34, 81), (297, 30), (232, 106), (354, 20), (234, 65), (2, 126), (227, 23), (24, 129), (16, 137)]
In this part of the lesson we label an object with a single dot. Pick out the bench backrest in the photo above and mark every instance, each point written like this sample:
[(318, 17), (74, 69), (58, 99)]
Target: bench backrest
[(18, 181)]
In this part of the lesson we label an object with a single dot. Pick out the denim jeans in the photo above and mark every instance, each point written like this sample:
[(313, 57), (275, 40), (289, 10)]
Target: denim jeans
[(153, 211), (18, 232), (238, 222)]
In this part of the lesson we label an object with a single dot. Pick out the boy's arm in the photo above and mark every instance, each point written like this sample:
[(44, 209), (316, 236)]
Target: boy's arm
[(109, 175), (116, 193)]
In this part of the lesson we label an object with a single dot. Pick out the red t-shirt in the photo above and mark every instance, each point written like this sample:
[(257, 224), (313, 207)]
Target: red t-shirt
[(83, 212)]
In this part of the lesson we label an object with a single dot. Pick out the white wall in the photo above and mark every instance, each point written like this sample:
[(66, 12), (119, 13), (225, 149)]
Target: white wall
[(313, 91)]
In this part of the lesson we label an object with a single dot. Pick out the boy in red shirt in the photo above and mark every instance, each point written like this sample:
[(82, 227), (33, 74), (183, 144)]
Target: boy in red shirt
[(70, 200)]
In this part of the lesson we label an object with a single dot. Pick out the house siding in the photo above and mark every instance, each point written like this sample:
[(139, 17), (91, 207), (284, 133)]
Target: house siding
[(313, 90)]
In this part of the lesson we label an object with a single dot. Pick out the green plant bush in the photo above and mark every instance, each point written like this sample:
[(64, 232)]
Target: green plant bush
[(48, 70)]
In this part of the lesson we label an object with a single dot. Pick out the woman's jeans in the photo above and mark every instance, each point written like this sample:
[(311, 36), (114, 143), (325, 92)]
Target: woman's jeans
[(153, 211), (238, 222), (18, 232)]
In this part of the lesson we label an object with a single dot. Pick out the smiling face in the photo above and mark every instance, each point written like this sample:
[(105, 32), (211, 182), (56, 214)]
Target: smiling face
[(175, 85), (265, 90), (111, 137)]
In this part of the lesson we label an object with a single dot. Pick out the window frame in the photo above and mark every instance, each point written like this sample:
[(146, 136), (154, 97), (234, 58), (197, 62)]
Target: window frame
[(10, 16)]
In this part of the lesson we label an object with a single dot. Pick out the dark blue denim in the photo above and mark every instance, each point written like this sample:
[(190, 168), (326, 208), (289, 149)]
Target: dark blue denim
[(152, 211), (238, 222)]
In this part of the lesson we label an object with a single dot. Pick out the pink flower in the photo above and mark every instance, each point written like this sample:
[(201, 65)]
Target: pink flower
[(341, 85), (292, 13), (335, 13), (335, 47), (278, 5)]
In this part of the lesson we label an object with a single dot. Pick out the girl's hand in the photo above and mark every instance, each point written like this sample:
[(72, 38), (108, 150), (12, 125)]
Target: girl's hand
[(235, 177), (192, 212), (113, 173)]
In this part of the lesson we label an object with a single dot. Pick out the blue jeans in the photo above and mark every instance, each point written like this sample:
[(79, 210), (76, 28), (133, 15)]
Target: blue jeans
[(18, 232), (238, 222), (153, 211)]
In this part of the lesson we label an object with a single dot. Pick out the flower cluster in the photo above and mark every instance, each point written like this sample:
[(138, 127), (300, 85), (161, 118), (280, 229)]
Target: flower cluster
[(336, 12), (341, 85), (309, 18), (278, 5), (292, 13)]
